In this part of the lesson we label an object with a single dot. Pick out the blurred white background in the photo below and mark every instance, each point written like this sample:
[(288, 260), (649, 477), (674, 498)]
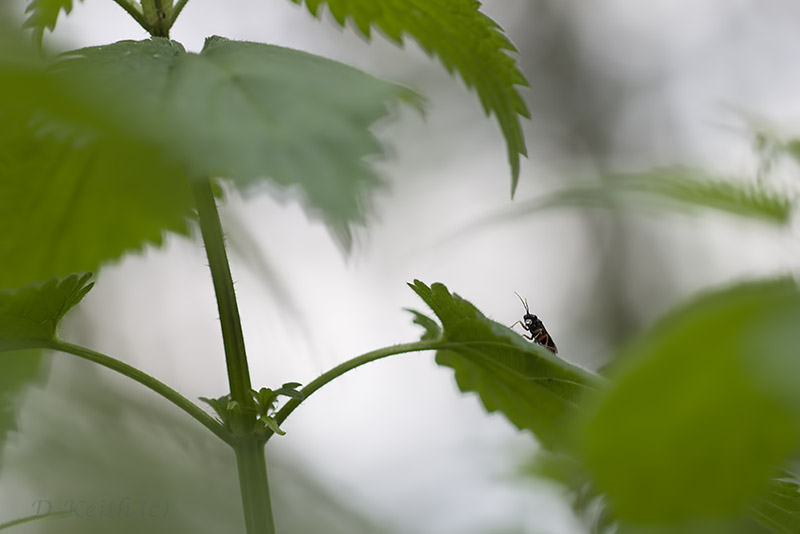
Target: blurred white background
[(620, 85)]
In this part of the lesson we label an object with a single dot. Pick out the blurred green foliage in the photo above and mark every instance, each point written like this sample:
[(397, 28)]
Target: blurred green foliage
[(687, 432)]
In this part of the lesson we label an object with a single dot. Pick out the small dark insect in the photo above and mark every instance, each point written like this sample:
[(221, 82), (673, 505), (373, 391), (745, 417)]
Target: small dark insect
[(534, 325)]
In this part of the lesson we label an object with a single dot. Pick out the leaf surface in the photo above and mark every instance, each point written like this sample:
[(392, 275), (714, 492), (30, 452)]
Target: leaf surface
[(464, 39), (690, 431), (76, 188), (532, 387), (248, 111)]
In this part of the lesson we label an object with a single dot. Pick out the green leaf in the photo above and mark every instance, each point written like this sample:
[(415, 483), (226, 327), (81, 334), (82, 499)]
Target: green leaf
[(432, 329), (28, 319), (691, 432), (266, 399), (673, 189), (780, 508), (29, 315), (290, 390), (75, 207), (43, 14), (246, 111), (586, 501), (219, 405), (272, 424), (464, 39), (532, 387), (76, 188)]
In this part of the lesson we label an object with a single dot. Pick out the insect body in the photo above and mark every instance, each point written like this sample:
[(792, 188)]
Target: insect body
[(534, 325)]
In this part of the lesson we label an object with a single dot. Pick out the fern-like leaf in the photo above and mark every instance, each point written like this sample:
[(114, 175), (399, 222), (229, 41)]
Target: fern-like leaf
[(463, 38)]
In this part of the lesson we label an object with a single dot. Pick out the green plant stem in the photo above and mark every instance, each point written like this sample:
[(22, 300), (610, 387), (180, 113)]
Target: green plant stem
[(349, 365), (253, 485), (30, 518), (249, 448), (146, 380), (156, 14), (235, 356), (161, 26), (134, 10)]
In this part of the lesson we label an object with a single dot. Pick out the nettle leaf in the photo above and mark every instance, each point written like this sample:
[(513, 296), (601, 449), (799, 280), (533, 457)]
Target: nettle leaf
[(464, 39), (248, 111), (43, 14), (693, 430), (29, 315), (673, 189), (696, 189), (28, 319), (76, 188), (71, 208), (531, 386), (432, 328)]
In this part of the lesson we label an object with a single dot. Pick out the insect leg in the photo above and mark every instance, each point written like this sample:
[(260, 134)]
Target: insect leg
[(526, 336)]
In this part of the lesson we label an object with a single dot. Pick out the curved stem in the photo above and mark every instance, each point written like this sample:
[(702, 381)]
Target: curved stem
[(146, 380), (349, 365), (30, 518), (134, 10)]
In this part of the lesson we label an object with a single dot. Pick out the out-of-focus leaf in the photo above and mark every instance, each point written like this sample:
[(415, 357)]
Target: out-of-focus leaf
[(29, 315), (780, 508), (247, 111), (95, 153), (695, 189), (18, 369), (76, 188), (682, 190), (587, 502), (532, 387), (43, 14), (690, 434), (69, 208), (463, 38)]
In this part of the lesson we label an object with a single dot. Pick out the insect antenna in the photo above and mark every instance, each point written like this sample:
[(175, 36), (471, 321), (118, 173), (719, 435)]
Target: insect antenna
[(524, 302)]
